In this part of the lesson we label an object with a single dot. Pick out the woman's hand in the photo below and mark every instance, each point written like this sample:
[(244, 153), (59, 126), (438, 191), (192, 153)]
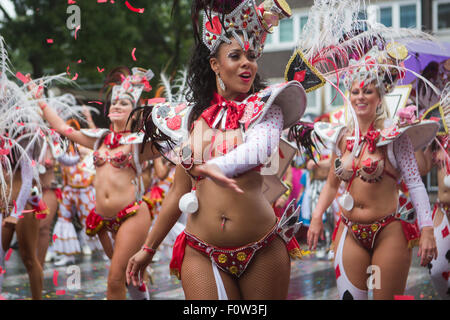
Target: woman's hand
[(315, 231), (136, 267), (9, 221), (281, 202), (36, 90), (310, 165), (427, 246), (215, 174)]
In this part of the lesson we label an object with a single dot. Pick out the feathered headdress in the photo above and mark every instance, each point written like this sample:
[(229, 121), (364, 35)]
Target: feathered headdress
[(167, 109), (21, 125), (67, 107), (131, 86), (340, 45)]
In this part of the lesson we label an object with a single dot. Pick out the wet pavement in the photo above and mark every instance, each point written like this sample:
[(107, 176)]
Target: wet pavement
[(311, 279)]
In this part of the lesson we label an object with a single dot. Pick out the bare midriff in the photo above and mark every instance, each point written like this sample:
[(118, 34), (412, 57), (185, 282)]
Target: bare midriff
[(114, 189), (226, 218), (373, 201)]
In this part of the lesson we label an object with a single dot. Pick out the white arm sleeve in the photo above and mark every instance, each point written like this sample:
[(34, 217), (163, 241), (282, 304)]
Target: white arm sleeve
[(26, 172), (406, 161), (258, 145)]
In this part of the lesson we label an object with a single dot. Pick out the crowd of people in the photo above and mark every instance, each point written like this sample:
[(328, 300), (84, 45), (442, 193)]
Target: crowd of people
[(205, 170)]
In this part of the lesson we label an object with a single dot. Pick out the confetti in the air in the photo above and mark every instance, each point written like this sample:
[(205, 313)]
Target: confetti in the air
[(138, 10), (76, 30)]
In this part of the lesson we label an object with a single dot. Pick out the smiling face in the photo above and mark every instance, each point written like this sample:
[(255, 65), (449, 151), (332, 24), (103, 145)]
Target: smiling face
[(236, 68), (365, 100), (120, 110)]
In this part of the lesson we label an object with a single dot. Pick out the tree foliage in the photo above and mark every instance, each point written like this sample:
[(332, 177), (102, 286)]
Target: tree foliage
[(108, 33)]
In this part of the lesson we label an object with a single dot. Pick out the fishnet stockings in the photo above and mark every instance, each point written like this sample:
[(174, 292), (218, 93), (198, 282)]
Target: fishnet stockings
[(267, 276)]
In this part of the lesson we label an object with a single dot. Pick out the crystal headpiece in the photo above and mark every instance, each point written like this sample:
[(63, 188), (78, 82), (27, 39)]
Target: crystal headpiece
[(133, 85), (247, 19)]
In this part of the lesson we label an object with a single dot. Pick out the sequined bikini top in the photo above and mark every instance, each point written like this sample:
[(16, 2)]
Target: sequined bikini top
[(370, 170), (119, 160)]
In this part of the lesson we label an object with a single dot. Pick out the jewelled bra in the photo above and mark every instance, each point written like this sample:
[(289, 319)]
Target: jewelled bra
[(119, 160), (371, 171)]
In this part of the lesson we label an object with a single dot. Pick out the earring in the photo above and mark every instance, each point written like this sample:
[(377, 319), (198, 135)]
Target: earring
[(221, 84), (379, 110)]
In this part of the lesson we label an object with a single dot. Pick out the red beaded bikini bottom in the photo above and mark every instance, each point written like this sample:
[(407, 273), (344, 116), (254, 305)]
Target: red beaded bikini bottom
[(95, 222)]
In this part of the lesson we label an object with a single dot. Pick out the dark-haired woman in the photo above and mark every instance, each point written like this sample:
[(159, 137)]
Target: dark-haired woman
[(118, 182), (233, 246)]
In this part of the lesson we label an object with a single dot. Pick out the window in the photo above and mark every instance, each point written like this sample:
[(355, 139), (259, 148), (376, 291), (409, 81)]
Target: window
[(408, 16), (303, 21), (398, 14), (338, 99), (443, 16), (269, 38), (311, 99), (314, 102), (286, 30), (362, 17), (386, 16)]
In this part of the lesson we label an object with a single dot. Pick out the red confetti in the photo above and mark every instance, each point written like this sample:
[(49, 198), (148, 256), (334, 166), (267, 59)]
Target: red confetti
[(54, 237), (71, 2), (55, 277), (8, 254), (15, 206), (76, 30), (138, 10), (100, 70), (21, 217), (98, 102), (60, 292), (49, 40), (75, 77), (79, 61), (132, 54), (2, 271), (22, 78)]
